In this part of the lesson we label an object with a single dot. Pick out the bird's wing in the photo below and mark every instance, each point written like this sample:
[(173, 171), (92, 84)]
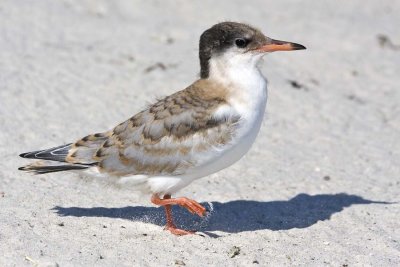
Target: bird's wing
[(167, 138)]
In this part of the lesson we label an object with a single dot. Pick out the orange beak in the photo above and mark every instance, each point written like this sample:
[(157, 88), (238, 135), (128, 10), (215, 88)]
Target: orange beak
[(276, 45)]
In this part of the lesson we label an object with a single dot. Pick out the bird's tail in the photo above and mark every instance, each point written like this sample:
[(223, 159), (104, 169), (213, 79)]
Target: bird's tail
[(53, 160), (42, 169), (58, 153)]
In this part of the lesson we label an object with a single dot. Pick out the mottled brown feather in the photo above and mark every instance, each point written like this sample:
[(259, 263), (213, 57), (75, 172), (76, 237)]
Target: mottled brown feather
[(158, 140)]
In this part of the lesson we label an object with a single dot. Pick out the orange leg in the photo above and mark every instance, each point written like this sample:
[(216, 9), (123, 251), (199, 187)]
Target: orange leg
[(189, 204)]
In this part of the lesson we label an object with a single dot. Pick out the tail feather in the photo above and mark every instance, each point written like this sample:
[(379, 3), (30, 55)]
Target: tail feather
[(38, 169), (49, 161), (58, 153), (73, 156)]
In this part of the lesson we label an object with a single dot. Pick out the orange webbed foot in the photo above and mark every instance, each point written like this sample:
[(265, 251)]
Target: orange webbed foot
[(189, 204), (176, 231)]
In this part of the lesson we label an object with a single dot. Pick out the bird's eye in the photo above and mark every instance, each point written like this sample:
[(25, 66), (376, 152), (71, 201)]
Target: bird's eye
[(241, 43)]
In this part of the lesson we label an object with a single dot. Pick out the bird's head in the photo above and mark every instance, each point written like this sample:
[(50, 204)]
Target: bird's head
[(237, 43)]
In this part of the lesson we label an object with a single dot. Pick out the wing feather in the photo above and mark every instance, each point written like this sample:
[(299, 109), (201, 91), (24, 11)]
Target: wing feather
[(169, 137)]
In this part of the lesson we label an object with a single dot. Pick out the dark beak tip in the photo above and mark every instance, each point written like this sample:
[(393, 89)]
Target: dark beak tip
[(298, 46)]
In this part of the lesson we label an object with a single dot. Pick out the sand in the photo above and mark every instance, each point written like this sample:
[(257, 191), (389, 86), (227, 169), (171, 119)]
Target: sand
[(320, 187)]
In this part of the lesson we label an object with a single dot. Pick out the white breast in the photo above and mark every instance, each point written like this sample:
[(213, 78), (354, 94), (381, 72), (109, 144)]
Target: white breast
[(247, 99)]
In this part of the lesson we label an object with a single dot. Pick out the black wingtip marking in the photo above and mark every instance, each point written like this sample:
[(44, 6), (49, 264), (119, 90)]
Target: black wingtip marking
[(58, 153), (48, 169)]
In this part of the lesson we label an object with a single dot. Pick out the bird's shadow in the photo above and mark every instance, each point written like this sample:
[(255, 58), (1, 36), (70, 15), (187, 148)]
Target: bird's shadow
[(236, 216)]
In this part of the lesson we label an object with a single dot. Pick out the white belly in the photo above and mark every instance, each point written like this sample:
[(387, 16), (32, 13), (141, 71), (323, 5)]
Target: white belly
[(223, 157), (248, 99), (248, 128), (218, 160), (212, 161)]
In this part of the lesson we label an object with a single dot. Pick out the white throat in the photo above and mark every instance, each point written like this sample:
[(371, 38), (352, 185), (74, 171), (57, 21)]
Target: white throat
[(247, 97), (230, 63), (240, 75)]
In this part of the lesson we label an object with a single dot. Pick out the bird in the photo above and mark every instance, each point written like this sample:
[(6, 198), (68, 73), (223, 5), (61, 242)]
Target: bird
[(187, 135)]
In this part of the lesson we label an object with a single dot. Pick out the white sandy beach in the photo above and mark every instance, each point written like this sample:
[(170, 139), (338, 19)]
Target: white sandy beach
[(320, 187)]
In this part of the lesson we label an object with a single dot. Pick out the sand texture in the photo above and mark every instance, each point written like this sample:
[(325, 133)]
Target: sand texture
[(320, 187)]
